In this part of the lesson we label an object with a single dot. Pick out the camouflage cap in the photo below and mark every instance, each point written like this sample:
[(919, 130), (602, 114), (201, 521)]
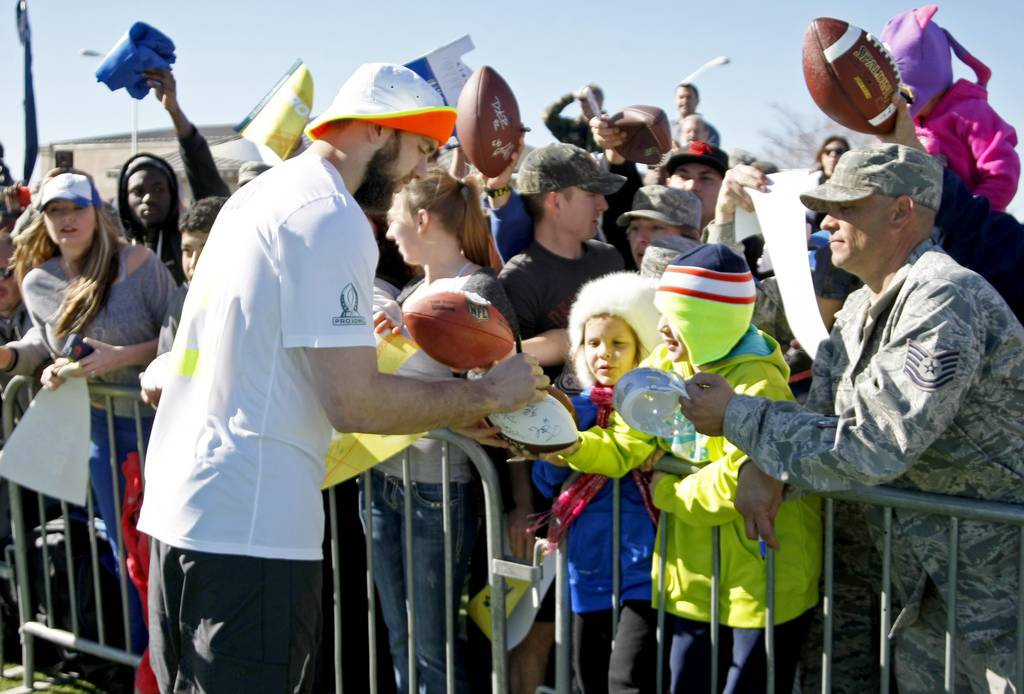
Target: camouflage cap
[(559, 166), (662, 252), (885, 169), (673, 206)]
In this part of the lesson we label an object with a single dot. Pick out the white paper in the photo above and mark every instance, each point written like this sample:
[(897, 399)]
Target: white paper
[(443, 67), (49, 449), (782, 219), (745, 225)]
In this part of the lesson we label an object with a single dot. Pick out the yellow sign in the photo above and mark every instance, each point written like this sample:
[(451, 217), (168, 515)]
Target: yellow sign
[(352, 454), (480, 606), (280, 117)]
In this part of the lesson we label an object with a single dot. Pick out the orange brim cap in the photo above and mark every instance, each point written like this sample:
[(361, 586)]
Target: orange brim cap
[(436, 122)]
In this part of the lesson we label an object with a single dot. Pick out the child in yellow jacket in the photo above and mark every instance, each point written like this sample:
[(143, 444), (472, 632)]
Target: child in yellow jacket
[(706, 299)]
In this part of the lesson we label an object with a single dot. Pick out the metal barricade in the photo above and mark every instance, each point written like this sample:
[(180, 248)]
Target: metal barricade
[(499, 568), (887, 498), (104, 642), (75, 638), (100, 644)]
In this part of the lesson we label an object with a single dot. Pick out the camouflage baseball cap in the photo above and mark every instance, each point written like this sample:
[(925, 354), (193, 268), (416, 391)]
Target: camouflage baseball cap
[(662, 252), (673, 206), (559, 166), (885, 169)]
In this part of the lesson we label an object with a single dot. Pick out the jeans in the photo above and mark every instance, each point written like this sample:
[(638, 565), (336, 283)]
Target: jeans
[(389, 565), (102, 480), (742, 665)]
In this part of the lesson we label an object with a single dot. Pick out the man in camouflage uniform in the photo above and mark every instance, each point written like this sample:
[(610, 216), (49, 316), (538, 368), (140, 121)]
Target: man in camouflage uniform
[(920, 385), (573, 131)]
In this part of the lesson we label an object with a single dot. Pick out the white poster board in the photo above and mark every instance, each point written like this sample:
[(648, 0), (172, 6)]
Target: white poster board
[(48, 451), (781, 219)]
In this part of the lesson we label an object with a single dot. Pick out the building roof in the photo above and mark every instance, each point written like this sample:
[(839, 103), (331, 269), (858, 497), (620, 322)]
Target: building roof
[(214, 134), (227, 167)]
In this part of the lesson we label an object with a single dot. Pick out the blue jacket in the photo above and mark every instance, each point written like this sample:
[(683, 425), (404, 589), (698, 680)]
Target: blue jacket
[(511, 227), (590, 536), (990, 243)]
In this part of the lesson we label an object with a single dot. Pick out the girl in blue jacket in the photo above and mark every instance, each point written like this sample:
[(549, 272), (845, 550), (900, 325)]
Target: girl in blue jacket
[(613, 325)]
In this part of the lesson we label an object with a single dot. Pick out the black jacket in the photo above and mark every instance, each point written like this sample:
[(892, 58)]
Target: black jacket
[(203, 179), (990, 243)]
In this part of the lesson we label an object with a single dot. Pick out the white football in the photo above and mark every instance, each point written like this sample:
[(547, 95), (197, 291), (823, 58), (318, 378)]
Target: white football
[(540, 427)]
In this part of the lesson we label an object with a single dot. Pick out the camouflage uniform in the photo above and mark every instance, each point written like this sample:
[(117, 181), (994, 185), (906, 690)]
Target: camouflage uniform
[(573, 131), (922, 388)]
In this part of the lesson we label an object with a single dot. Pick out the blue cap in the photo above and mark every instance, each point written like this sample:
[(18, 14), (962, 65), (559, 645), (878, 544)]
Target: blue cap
[(70, 186)]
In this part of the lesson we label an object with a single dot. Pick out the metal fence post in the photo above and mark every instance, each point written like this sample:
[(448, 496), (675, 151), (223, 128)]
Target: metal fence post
[(661, 637), (332, 506), (20, 535), (563, 632), (769, 622), (885, 659), (122, 568), (827, 601), (1018, 672), (371, 590), (616, 554), (449, 578), (495, 529), (410, 573), (716, 581), (21, 571), (951, 578)]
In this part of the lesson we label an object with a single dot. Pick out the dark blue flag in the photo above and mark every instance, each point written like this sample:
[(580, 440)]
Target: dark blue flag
[(31, 133)]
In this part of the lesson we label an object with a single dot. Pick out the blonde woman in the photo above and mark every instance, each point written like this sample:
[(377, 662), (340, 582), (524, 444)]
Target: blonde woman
[(79, 277)]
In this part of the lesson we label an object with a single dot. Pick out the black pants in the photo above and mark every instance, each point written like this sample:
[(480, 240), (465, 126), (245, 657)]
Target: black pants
[(630, 667), (742, 666), (229, 623)]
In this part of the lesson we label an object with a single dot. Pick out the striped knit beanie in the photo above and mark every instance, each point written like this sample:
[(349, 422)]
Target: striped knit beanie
[(707, 295)]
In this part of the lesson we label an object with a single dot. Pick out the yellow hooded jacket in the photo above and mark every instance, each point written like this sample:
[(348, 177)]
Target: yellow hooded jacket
[(703, 500)]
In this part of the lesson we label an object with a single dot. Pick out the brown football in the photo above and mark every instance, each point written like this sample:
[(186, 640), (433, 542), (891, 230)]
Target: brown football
[(851, 76), (461, 330), (488, 124), (648, 134)]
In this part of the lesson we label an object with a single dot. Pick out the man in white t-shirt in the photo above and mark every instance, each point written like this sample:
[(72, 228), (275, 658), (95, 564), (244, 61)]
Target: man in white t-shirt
[(274, 351)]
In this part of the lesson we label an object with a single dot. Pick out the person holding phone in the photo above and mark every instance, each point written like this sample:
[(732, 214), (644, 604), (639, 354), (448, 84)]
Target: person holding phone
[(79, 278)]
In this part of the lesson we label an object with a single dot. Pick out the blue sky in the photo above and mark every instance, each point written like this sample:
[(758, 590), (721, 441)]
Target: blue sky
[(230, 53)]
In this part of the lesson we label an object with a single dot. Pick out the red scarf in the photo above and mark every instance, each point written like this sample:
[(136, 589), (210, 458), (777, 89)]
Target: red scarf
[(581, 491)]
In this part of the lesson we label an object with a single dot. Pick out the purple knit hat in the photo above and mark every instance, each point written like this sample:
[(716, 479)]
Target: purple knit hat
[(921, 49)]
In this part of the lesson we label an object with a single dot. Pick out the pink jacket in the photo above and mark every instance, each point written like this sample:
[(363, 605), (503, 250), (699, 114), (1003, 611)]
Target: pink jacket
[(978, 145)]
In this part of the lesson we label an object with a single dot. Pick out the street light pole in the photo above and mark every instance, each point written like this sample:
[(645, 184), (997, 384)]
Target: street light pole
[(714, 62), (90, 53)]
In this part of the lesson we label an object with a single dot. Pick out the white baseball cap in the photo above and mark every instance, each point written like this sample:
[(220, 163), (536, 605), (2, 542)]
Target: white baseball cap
[(390, 95), (70, 186)]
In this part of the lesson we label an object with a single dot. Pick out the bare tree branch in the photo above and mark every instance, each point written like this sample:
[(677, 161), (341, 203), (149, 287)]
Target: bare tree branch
[(795, 137)]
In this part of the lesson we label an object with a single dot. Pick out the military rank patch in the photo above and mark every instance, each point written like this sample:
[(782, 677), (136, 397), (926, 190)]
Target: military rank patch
[(930, 370)]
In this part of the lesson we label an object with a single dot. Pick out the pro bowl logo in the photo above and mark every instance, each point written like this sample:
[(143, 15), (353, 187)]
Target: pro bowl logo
[(349, 307)]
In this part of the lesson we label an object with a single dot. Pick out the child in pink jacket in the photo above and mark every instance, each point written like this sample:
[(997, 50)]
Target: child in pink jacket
[(954, 119)]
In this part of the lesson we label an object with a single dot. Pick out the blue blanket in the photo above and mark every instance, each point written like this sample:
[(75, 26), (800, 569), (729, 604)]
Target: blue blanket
[(141, 48)]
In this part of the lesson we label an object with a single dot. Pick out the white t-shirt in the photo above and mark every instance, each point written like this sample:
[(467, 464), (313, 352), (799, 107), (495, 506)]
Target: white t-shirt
[(236, 458)]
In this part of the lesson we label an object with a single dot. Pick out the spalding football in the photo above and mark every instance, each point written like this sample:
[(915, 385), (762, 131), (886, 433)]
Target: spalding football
[(540, 427), (851, 76), (488, 124), (462, 330), (648, 134)]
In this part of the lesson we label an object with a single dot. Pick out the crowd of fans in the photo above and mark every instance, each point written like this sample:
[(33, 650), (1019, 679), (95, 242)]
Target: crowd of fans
[(600, 266)]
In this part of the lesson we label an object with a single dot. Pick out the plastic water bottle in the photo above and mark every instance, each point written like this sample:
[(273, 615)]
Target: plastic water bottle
[(648, 399)]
